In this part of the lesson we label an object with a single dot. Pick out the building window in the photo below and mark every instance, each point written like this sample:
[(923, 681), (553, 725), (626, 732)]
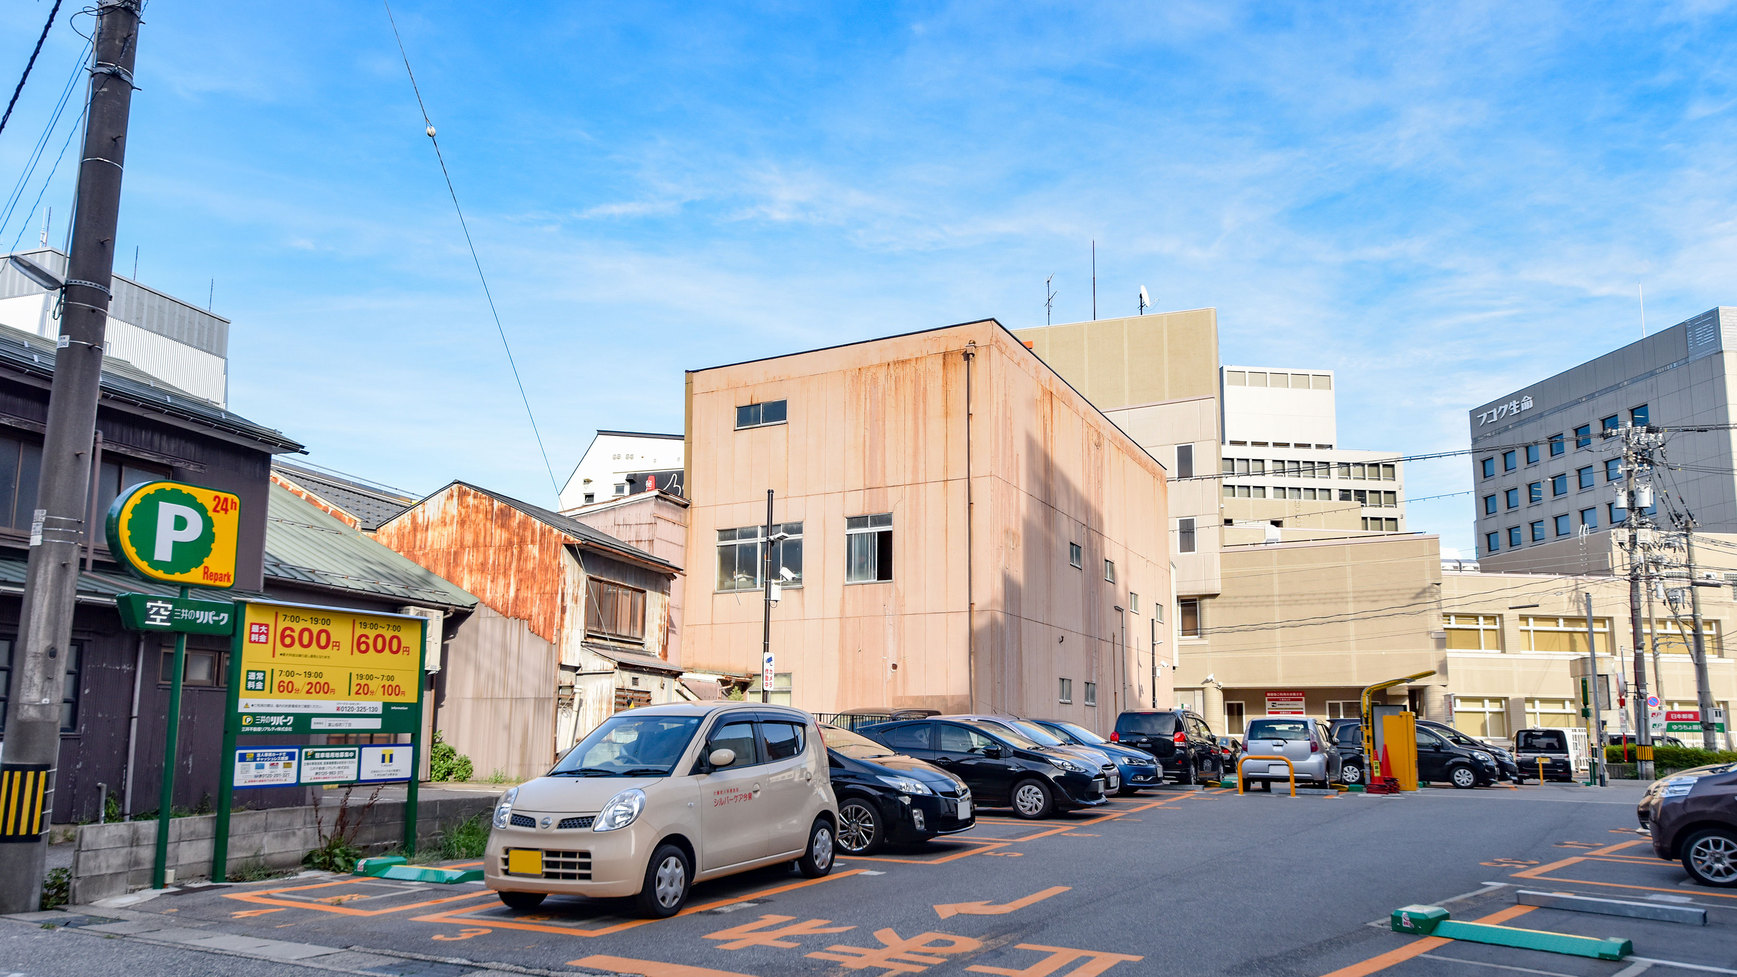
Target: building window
[(1188, 617), (20, 467), (1557, 445), (1589, 518), (1553, 714), (760, 415), (1184, 536), (1538, 531), (1616, 516), (620, 488), (1583, 436), (1585, 476), (614, 610), (1492, 542), (201, 669), (1473, 632), (868, 543), (1611, 423), (1675, 637), (1481, 717), (1562, 634), (1065, 690), (1531, 454), (1559, 484), (1489, 505), (1513, 498), (1380, 525), (1638, 416), (1510, 460), (69, 684), (1535, 492), (739, 556), (1074, 556), (1133, 602), (1513, 536), (1091, 693), (1612, 469), (1185, 461), (1564, 525), (1235, 717), (590, 497), (1489, 467), (1109, 571)]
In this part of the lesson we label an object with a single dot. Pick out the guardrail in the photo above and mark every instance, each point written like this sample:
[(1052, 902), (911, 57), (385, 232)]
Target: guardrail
[(1289, 766)]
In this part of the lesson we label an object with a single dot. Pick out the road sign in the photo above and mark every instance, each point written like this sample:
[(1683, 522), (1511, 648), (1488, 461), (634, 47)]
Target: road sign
[(323, 670), (1652, 702), (149, 612), (176, 533), (1689, 721), (766, 673)]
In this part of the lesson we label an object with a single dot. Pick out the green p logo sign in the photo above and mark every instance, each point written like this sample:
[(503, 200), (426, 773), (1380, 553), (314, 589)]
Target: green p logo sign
[(174, 532)]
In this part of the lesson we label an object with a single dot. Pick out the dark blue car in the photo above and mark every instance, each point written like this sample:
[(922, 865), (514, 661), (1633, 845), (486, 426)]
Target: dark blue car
[(1137, 767)]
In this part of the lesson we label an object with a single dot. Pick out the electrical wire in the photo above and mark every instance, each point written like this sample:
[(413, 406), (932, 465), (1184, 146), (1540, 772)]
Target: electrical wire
[(473, 255), (35, 158), (29, 64)]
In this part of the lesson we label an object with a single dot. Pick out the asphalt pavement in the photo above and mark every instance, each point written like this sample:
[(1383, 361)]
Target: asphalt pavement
[(1176, 882)]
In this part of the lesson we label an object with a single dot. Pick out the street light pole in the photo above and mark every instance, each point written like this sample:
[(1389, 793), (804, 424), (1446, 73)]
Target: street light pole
[(766, 669), (57, 530)]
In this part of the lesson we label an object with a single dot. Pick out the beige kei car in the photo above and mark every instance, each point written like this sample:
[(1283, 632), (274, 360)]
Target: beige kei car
[(658, 798)]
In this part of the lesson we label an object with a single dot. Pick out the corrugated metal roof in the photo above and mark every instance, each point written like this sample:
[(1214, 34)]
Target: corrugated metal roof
[(133, 303), (576, 529), (306, 546), (631, 660), (370, 504), (101, 587)]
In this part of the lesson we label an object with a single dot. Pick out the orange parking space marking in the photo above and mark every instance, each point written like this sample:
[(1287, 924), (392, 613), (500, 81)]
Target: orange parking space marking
[(1538, 874), (1418, 947), (461, 917), (983, 848), (650, 968), (276, 897)]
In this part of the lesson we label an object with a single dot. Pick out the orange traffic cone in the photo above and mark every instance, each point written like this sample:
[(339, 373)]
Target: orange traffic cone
[(1385, 784)]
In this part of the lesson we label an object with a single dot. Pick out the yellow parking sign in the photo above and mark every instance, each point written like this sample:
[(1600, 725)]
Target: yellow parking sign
[(177, 533)]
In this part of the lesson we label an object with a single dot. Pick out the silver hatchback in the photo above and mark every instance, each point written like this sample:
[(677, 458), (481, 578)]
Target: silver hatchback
[(1302, 741)]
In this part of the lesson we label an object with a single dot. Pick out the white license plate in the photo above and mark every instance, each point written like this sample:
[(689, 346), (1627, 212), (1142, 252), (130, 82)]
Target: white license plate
[(964, 810)]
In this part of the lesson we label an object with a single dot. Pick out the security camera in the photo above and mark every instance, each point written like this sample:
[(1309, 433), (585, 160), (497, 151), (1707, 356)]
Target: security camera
[(780, 536), (785, 574), (1211, 677)]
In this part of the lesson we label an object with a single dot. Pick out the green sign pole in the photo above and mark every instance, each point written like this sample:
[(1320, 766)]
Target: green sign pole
[(171, 736), (226, 761), (410, 788)]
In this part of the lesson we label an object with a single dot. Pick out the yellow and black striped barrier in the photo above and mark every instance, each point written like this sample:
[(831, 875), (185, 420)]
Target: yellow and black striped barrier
[(23, 787)]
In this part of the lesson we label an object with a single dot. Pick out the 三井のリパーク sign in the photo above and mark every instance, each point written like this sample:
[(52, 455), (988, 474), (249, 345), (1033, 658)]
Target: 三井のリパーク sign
[(176, 533), (321, 670)]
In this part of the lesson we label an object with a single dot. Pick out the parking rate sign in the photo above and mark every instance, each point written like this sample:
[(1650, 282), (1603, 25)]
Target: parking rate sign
[(176, 533), (320, 670)]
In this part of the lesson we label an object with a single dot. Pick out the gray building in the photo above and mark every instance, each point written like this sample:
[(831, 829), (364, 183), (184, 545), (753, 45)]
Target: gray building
[(1544, 476)]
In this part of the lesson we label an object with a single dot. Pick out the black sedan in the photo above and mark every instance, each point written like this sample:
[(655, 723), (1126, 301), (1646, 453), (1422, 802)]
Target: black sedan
[(1003, 769), (889, 798)]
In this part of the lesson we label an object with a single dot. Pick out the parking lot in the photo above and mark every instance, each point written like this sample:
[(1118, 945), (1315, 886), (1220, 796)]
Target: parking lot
[(1172, 882)]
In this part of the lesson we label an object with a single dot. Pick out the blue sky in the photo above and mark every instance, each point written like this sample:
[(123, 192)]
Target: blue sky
[(1441, 202)]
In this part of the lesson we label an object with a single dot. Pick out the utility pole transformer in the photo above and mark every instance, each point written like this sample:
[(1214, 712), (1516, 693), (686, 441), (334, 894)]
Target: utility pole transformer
[(32, 734)]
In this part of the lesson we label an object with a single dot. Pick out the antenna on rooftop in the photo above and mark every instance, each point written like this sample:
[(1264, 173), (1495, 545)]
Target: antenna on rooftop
[(1094, 279), (46, 220), (1643, 304), (1144, 301), (1048, 299)]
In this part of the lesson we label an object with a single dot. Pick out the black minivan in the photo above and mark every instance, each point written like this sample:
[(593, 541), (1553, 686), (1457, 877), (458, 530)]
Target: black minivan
[(1003, 769), (1184, 745)]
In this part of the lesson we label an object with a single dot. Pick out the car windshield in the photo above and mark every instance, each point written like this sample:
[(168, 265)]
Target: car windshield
[(1542, 741), (1278, 729), (1456, 736), (852, 745), (1082, 734), (626, 745), (1036, 732), (1013, 736)]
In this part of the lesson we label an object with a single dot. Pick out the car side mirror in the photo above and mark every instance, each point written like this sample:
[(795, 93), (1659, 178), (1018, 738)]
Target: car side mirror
[(994, 752), (721, 757)]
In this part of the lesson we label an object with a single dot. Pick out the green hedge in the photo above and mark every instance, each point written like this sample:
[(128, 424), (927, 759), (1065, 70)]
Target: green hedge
[(1674, 757)]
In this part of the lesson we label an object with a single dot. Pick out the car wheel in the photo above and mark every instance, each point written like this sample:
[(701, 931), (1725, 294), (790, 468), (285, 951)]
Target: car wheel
[(1710, 857), (1185, 774), (668, 877), (1031, 800), (1127, 790), (1465, 778), (859, 827), (521, 900), (1351, 773), (817, 860)]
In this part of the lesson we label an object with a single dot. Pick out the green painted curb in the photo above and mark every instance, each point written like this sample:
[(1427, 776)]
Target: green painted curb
[(395, 867), (1435, 921), (372, 867)]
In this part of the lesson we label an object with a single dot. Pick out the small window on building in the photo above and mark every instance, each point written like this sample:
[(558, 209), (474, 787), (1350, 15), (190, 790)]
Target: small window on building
[(620, 488), (1589, 518), (1185, 461), (1065, 690), (760, 415), (1091, 693), (1559, 485), (1492, 542), (1513, 498), (1610, 423), (1489, 467), (1489, 505), (1616, 516), (1535, 492), (1510, 460), (868, 545), (1188, 617), (1638, 416), (1613, 469), (590, 497), (1133, 602), (1538, 531), (1531, 454), (614, 610), (1564, 525), (739, 556), (201, 669), (1514, 538), (1185, 535), (1110, 571), (1557, 445), (1585, 476), (1583, 436), (1074, 555)]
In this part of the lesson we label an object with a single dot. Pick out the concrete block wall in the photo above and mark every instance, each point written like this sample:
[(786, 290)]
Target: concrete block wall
[(113, 859)]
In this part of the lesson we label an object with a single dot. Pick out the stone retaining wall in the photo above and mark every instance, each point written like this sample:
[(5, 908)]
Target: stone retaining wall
[(113, 859)]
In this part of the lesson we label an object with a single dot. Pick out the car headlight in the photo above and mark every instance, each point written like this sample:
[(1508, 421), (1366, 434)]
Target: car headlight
[(906, 785), (1678, 786), (1067, 765), (504, 807), (1480, 754), (621, 810)]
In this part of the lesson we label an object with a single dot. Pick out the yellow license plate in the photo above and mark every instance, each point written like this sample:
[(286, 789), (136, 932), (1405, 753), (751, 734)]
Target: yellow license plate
[(524, 861)]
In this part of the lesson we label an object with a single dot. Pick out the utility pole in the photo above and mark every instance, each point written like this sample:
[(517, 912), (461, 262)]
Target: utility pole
[(767, 672), (1631, 454), (1596, 728), (1703, 690), (32, 734)]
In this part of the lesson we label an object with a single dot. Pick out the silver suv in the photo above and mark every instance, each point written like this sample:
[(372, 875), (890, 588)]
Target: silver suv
[(1305, 742)]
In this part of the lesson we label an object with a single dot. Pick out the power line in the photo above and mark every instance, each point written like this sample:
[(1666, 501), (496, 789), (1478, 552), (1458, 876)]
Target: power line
[(473, 255), (29, 65), (35, 157)]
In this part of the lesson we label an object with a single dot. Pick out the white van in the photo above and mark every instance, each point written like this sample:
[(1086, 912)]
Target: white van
[(658, 798)]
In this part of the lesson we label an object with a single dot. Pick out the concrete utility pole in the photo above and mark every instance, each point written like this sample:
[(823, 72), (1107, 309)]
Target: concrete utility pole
[(1703, 690), (32, 734), (766, 670), (1596, 727), (1631, 454)]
